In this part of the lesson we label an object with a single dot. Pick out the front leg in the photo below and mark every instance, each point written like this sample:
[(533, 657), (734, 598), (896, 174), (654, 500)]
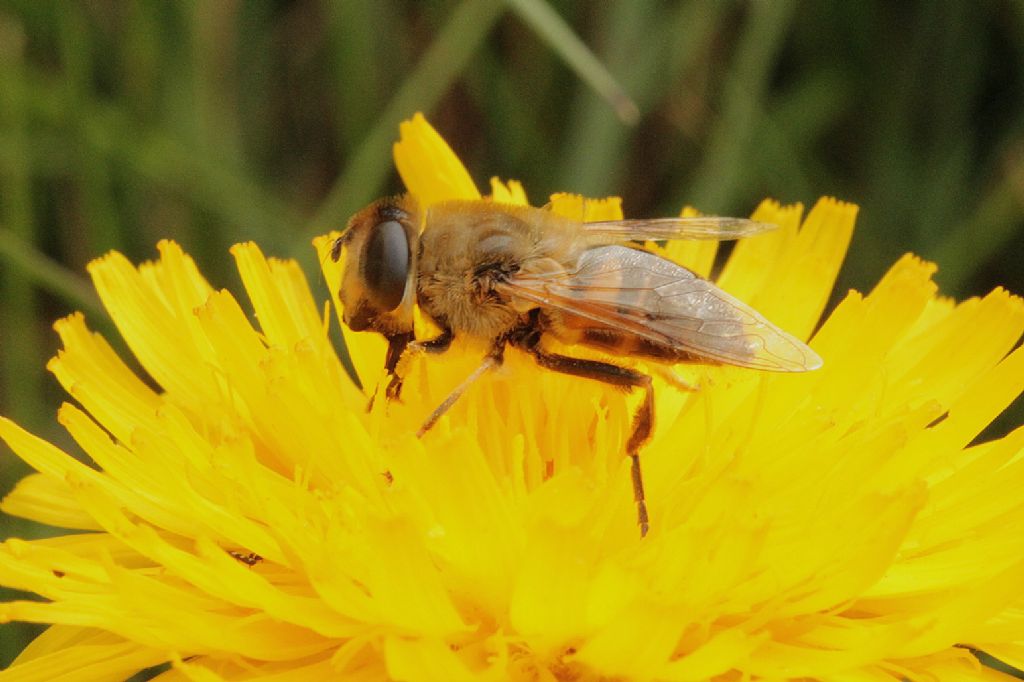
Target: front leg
[(397, 343), (438, 344)]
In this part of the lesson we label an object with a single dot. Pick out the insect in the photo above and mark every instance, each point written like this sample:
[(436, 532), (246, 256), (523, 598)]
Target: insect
[(517, 275), (247, 558)]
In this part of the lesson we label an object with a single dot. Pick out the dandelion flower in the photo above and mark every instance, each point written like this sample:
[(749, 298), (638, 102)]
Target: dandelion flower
[(249, 519)]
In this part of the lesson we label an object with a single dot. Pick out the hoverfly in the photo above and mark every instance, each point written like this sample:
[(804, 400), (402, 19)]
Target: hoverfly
[(516, 275)]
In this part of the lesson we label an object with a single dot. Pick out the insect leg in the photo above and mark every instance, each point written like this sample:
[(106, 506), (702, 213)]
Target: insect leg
[(492, 359), (397, 344), (606, 372), (643, 425), (438, 344), (396, 347)]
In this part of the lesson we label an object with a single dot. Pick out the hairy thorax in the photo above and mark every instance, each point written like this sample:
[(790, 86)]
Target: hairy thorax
[(465, 248)]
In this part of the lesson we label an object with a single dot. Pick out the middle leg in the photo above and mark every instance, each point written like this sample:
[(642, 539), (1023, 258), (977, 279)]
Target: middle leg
[(493, 359)]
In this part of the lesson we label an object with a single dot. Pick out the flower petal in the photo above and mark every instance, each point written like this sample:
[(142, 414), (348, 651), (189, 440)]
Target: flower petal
[(429, 168)]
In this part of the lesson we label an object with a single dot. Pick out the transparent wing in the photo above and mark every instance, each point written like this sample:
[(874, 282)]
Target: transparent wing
[(656, 229), (635, 292)]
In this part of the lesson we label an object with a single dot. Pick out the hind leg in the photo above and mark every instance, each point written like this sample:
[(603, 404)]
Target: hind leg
[(606, 372)]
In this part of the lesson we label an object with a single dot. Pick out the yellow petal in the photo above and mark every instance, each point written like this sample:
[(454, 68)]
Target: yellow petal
[(429, 168), (68, 653), (46, 500), (510, 192), (585, 210)]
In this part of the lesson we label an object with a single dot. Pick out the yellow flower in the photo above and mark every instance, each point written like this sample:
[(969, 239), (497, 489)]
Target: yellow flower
[(249, 519)]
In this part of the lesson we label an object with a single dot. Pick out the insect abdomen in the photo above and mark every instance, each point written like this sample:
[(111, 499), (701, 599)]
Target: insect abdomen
[(575, 330), (625, 344)]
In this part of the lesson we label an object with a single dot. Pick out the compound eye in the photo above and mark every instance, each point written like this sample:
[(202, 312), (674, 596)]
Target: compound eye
[(386, 264)]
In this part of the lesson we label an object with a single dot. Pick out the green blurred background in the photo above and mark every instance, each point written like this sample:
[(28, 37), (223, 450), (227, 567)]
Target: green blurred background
[(212, 122)]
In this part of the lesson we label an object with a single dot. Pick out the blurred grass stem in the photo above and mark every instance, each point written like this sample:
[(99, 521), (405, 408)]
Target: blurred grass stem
[(440, 65), (19, 334), (563, 41), (48, 274)]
